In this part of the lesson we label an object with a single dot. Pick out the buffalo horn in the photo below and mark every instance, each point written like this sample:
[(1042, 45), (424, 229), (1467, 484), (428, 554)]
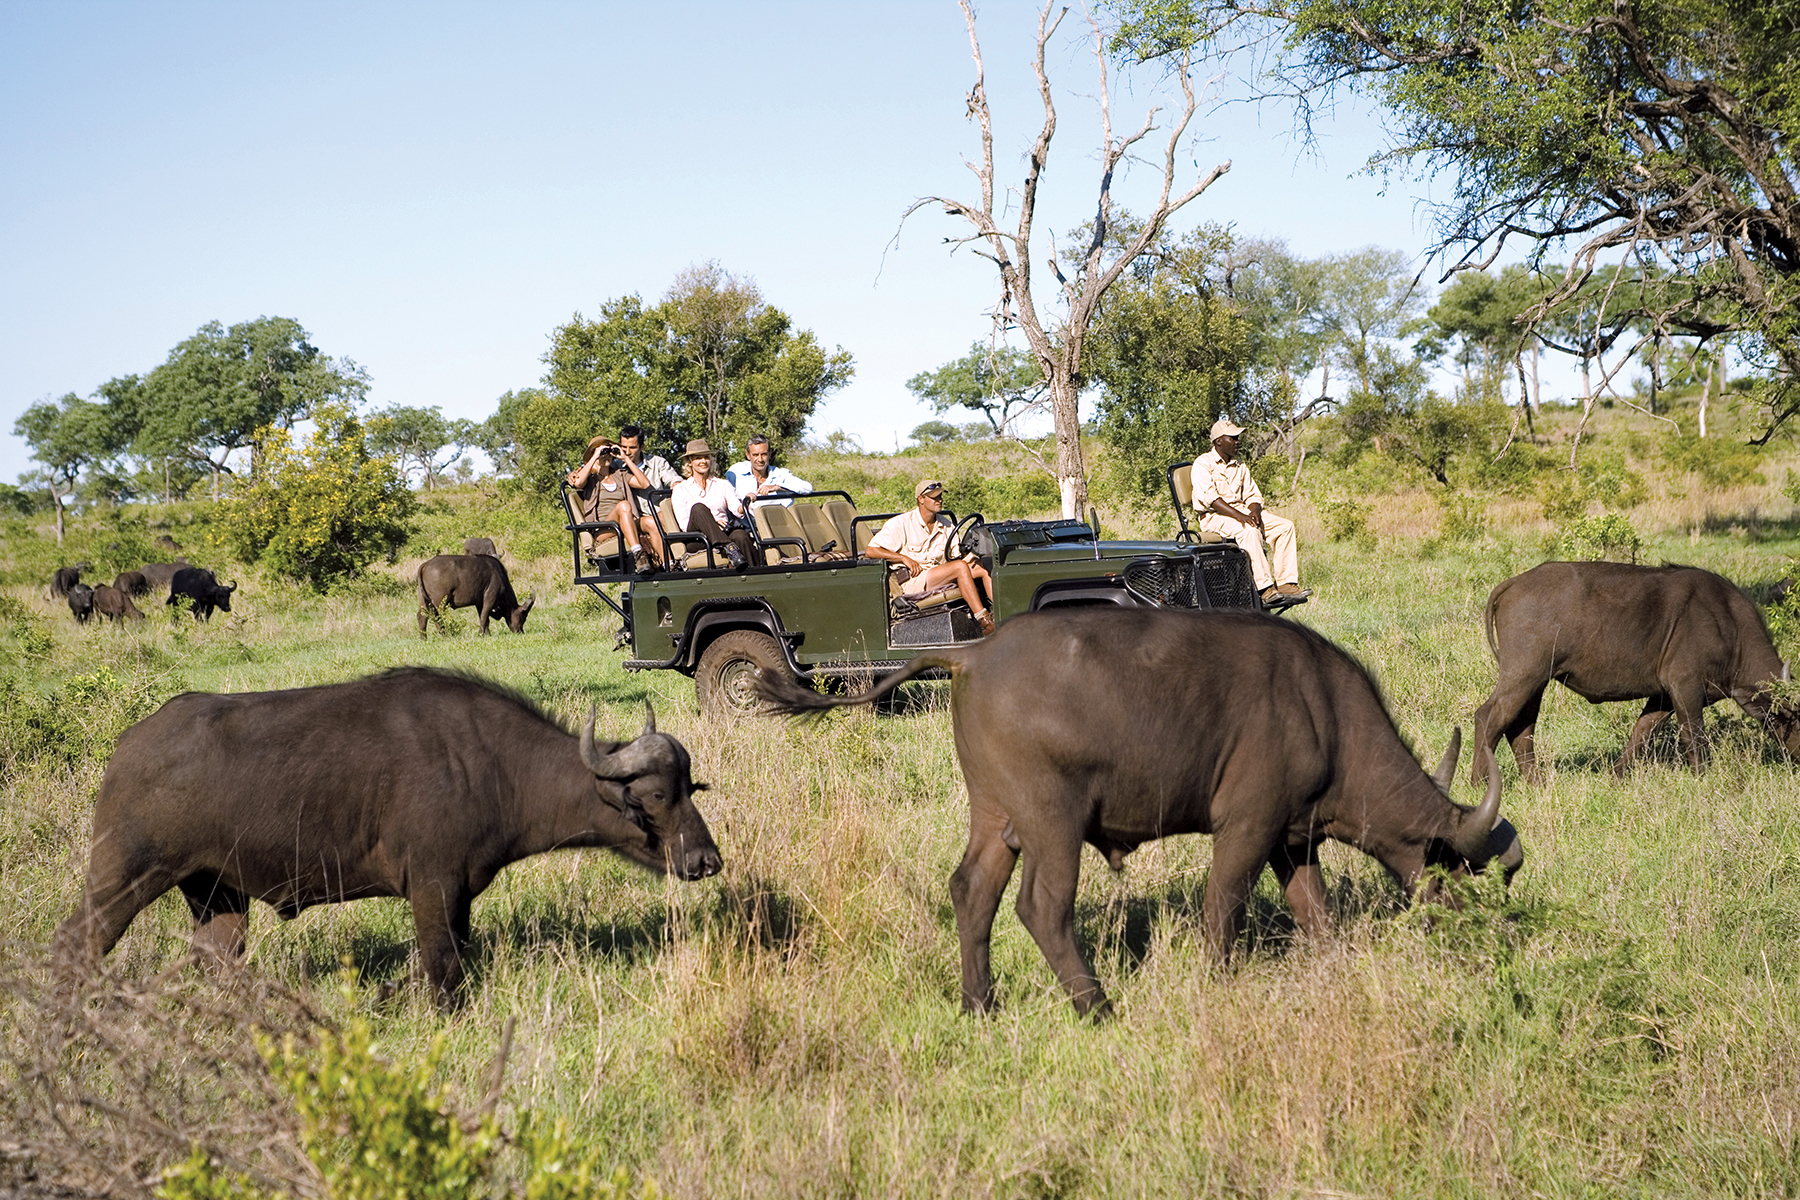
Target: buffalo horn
[(1447, 765), (649, 717), (232, 587), (1471, 837), (627, 762)]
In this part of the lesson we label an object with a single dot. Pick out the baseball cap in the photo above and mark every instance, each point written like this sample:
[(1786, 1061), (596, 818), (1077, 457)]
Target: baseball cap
[(928, 485), (1222, 428)]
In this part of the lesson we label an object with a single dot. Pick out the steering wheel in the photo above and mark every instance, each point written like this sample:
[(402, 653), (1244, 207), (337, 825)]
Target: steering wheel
[(964, 534)]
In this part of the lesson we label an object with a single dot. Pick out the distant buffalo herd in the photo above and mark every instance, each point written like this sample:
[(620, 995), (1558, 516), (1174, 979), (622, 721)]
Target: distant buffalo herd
[(199, 587), (1099, 726)]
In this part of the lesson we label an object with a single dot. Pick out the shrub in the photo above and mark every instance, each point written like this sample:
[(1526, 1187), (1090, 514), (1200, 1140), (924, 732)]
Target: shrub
[(375, 1129), (1602, 476), (1599, 537), (1464, 517), (323, 513), (1720, 462), (1346, 520)]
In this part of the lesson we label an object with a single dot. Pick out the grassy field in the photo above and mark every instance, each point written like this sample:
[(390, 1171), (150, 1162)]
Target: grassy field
[(1627, 1022)]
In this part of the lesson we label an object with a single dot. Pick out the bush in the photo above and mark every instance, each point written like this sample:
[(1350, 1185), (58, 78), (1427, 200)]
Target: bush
[(322, 514), (1720, 462), (1603, 476), (1346, 520), (1599, 537), (1464, 517), (375, 1129)]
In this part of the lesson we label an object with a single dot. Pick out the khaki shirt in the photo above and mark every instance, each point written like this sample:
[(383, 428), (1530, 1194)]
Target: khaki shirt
[(908, 534), (1216, 479), (601, 493)]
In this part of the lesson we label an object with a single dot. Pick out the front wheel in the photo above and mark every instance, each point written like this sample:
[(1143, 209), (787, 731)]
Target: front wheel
[(726, 679)]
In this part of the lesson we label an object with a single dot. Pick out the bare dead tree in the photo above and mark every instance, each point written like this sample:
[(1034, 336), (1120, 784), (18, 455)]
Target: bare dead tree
[(1058, 342)]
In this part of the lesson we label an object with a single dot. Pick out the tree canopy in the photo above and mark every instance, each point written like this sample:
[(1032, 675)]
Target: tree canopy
[(1660, 131), (713, 359), (1001, 383), (220, 386)]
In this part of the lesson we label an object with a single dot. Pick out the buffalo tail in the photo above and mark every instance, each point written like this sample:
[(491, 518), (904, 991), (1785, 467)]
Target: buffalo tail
[(789, 697)]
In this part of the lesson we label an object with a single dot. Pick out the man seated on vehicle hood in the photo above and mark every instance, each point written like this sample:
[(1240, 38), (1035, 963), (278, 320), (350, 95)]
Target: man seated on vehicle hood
[(917, 542), (1231, 505)]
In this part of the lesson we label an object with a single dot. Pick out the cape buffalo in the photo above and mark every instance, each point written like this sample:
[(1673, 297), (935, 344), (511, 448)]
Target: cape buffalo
[(165, 542), (415, 783), (66, 578), (203, 588), (159, 575), (1121, 727), (459, 580), (1678, 638), (81, 602), (115, 605), (132, 583), (480, 546)]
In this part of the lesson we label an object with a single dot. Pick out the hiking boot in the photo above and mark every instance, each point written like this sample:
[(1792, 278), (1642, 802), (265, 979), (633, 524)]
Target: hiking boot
[(986, 621), (1271, 594), (1293, 591), (640, 559), (734, 556)]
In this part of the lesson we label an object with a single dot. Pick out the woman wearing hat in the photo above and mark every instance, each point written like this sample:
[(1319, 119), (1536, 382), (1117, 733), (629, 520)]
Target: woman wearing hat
[(603, 483), (705, 504)]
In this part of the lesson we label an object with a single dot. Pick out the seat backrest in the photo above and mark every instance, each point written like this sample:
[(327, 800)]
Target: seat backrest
[(842, 513), (759, 519), (820, 532), (866, 529), (1181, 482), (782, 523)]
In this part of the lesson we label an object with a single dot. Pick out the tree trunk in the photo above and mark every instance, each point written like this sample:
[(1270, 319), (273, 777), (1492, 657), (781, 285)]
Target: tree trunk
[(1071, 470), (1706, 384), (57, 504)]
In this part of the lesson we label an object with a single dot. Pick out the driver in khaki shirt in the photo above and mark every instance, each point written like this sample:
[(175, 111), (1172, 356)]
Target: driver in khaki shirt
[(1231, 505), (917, 542)]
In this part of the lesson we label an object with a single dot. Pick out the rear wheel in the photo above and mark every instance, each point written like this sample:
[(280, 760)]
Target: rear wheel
[(726, 679)]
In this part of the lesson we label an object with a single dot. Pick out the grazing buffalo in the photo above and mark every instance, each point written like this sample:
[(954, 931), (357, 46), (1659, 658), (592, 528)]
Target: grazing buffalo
[(480, 546), (202, 587), (66, 578), (132, 583), (115, 604), (459, 580), (1678, 638), (416, 783), (81, 602), (1120, 727), (159, 575)]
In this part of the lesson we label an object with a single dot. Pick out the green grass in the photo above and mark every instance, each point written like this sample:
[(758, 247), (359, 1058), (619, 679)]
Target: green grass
[(1627, 1022)]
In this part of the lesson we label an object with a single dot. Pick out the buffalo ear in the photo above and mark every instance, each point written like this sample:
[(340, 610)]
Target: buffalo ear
[(1446, 771)]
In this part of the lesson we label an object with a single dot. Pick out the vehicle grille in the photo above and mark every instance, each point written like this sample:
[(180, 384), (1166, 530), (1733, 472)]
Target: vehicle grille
[(1226, 578), (1165, 581)]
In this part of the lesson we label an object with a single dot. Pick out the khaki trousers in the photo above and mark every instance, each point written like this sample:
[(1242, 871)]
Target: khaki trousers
[(1281, 564)]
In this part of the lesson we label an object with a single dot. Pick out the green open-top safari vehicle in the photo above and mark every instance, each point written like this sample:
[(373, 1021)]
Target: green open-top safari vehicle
[(811, 603)]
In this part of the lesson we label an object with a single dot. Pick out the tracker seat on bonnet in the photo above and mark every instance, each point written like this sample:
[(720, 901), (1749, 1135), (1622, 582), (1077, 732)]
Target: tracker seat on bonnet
[(1181, 487)]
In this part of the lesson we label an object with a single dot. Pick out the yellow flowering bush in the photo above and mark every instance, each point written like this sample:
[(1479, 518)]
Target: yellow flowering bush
[(322, 512)]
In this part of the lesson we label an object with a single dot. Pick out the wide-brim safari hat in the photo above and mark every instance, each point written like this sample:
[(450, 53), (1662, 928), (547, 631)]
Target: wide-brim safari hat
[(599, 440), (697, 449)]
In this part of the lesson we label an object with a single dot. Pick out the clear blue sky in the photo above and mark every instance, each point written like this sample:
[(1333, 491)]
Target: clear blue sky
[(432, 189)]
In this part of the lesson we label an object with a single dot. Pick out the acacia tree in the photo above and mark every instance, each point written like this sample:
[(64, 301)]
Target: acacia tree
[(219, 387), (1001, 383), (416, 436), (1661, 131), (69, 436), (1058, 338)]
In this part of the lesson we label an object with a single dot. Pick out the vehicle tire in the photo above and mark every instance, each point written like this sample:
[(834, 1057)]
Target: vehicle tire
[(725, 679)]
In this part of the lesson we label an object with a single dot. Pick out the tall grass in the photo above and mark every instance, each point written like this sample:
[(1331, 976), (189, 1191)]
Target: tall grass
[(1626, 1022)]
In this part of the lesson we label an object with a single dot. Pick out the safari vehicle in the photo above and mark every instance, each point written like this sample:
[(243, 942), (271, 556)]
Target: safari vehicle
[(810, 602)]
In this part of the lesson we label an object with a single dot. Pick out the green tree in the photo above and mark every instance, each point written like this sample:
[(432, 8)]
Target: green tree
[(1365, 298), (69, 436), (220, 387), (417, 436), (321, 513), (999, 382), (497, 437), (1170, 357), (1666, 131), (1403, 419), (713, 360)]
